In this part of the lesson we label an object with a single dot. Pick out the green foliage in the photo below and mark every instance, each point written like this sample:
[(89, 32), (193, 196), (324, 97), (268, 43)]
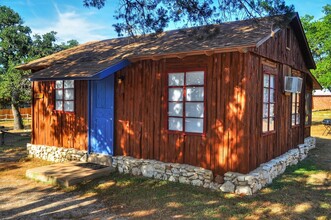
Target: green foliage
[(16, 47), (319, 38), (44, 45), (152, 16), (14, 38), (15, 82)]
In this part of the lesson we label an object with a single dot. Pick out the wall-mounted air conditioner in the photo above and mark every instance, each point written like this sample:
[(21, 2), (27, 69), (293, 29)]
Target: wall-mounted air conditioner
[(292, 84)]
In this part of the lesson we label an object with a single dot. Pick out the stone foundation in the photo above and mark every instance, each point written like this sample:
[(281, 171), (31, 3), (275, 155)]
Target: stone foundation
[(173, 172), (255, 180), (234, 182), (56, 154)]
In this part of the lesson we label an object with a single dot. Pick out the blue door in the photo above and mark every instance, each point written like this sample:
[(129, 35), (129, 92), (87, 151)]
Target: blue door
[(102, 116)]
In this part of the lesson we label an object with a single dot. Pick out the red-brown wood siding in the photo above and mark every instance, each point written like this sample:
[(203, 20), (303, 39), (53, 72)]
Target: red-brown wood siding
[(265, 147), (275, 49), (309, 90), (141, 114), (54, 128), (233, 116)]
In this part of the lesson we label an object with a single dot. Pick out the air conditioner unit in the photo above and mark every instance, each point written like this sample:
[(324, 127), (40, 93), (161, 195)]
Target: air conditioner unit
[(292, 84)]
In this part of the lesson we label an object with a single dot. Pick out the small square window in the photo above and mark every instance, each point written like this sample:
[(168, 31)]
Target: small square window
[(64, 95)]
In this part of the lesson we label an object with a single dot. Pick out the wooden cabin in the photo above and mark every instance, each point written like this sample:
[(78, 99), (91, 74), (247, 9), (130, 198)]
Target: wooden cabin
[(211, 96)]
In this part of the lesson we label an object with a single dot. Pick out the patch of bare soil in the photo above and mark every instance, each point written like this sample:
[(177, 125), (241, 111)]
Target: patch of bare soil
[(21, 198)]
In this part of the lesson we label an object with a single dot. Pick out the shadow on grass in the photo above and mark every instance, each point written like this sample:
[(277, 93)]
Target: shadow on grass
[(138, 197)]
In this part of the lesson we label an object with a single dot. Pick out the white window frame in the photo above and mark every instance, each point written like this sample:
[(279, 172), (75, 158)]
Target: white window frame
[(64, 89), (182, 117)]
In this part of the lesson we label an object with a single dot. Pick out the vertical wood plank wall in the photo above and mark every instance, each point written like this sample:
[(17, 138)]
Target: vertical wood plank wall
[(141, 114), (233, 115), (54, 128)]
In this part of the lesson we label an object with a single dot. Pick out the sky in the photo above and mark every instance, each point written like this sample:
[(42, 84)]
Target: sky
[(71, 20)]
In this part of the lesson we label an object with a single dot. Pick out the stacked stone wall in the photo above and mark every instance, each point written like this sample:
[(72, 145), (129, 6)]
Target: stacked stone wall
[(56, 154), (233, 182), (263, 175), (173, 172)]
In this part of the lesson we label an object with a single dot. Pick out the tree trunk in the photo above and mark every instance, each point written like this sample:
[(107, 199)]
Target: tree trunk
[(18, 122)]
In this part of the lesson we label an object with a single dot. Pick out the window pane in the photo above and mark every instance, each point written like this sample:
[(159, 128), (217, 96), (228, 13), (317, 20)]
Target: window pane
[(195, 78), (298, 118), (265, 95), (297, 98), (272, 110), (265, 80), (68, 94), (175, 94), (175, 109), (176, 79), (272, 81), (69, 106), (194, 94), (265, 110), (271, 124), (58, 94), (272, 95), (59, 105), (58, 84), (194, 110), (68, 84), (265, 125), (194, 125), (293, 119), (175, 124)]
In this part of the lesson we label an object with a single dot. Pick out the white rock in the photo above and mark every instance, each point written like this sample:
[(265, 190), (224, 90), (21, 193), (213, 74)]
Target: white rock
[(183, 179), (147, 170), (136, 171), (172, 179), (246, 190), (214, 186), (197, 183), (227, 187)]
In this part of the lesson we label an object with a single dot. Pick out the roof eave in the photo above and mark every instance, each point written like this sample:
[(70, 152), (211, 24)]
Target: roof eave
[(97, 76)]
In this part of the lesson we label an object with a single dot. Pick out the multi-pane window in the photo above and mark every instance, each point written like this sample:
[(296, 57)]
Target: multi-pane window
[(186, 102), (64, 95), (295, 116), (269, 101), (308, 108)]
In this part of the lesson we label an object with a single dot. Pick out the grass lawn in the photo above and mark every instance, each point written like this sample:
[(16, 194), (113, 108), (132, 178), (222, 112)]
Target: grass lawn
[(302, 192), (10, 124)]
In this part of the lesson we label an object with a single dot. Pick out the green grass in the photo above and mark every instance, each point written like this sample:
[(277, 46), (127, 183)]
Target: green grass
[(318, 116), (10, 124)]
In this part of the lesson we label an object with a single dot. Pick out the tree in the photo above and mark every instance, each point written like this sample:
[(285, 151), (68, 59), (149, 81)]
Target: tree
[(318, 34), (44, 45), (152, 16), (15, 41), (14, 38), (16, 47), (15, 89)]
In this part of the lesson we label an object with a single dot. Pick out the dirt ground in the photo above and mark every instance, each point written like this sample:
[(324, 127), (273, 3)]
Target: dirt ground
[(21, 198)]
